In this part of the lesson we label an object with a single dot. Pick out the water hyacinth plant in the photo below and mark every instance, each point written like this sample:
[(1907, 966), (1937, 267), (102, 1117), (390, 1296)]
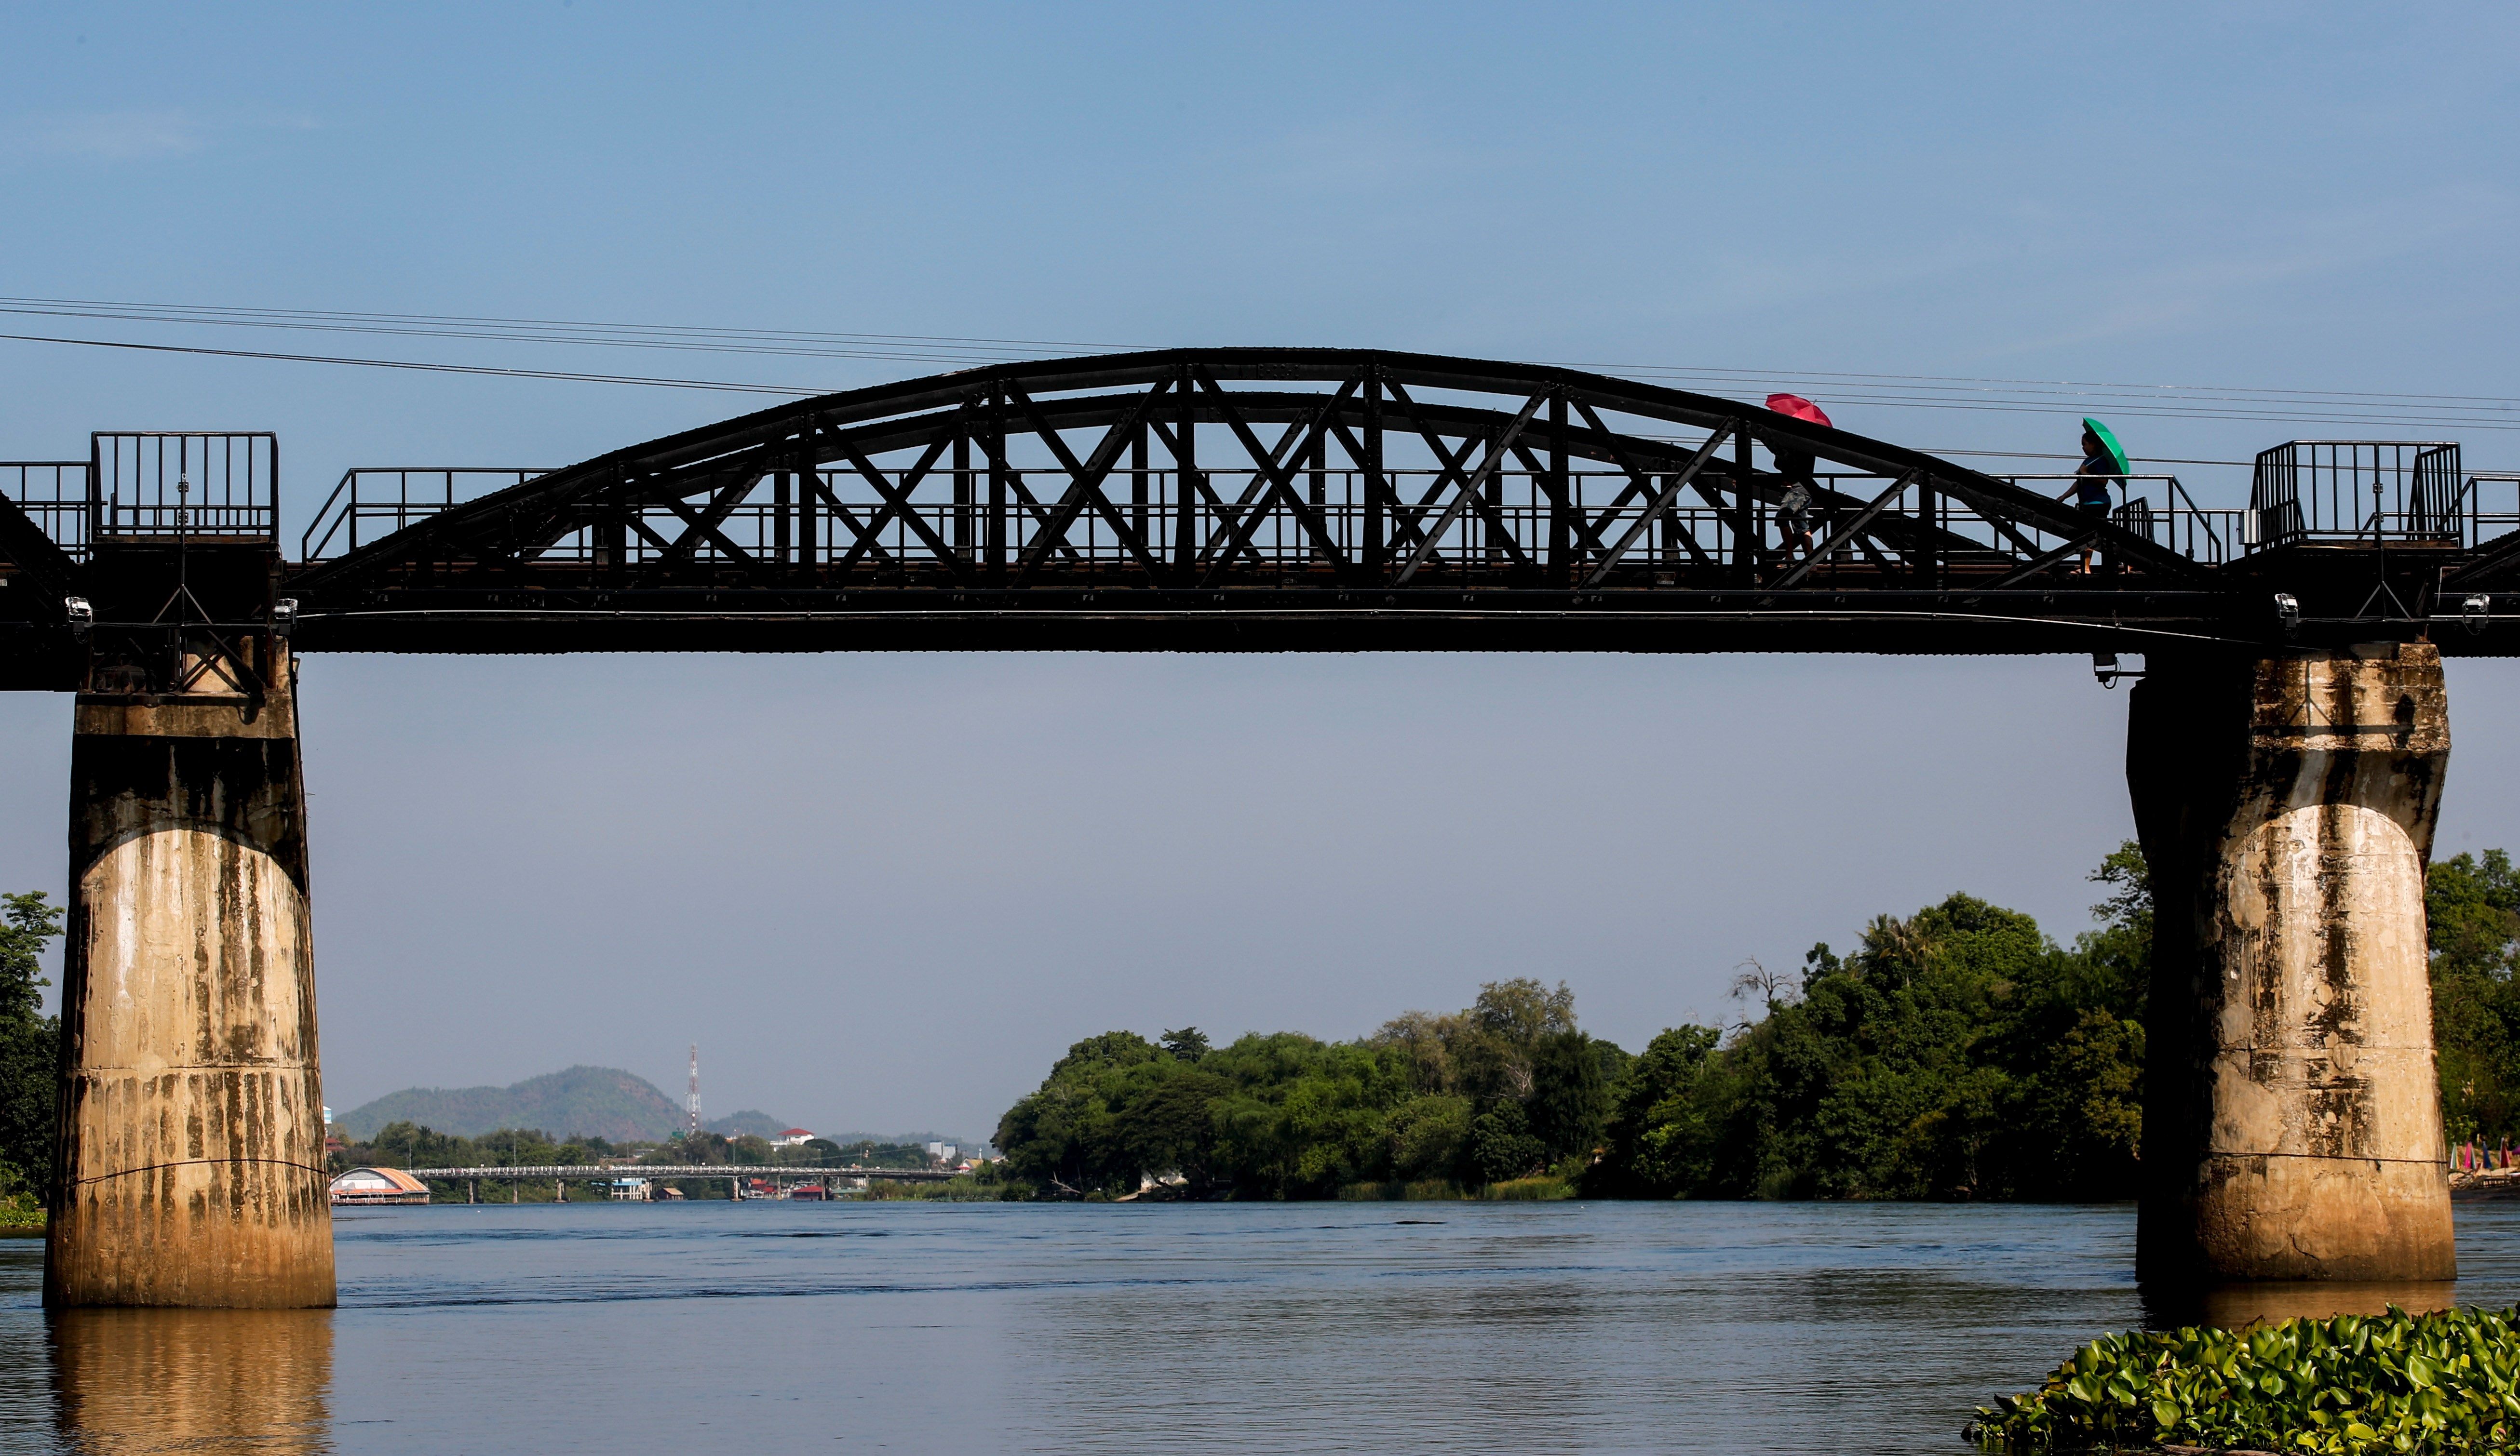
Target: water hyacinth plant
[(2394, 1381)]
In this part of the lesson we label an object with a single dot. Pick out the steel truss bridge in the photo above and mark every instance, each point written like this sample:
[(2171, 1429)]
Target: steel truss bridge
[(2285, 752), (1230, 500)]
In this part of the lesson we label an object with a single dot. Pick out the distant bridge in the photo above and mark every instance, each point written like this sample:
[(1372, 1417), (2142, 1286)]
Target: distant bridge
[(580, 1173), (577, 1172)]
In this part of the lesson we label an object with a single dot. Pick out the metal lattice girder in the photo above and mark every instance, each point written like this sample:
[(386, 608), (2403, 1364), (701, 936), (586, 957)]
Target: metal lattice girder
[(692, 481), (1262, 499)]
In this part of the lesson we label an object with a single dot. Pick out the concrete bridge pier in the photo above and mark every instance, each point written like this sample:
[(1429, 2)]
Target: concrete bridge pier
[(2292, 1111), (190, 1166)]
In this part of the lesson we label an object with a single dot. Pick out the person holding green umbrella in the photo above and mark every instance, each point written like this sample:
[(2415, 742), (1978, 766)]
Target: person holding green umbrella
[(2103, 459)]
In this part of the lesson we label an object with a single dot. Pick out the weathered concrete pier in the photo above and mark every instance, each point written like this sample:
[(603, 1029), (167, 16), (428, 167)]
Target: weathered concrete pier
[(2285, 753), (2292, 1108), (192, 1149)]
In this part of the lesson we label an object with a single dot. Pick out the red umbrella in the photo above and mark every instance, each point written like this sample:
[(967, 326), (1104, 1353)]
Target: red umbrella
[(1798, 407)]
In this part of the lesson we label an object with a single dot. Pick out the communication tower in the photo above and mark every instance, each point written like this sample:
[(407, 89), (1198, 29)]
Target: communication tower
[(692, 1103)]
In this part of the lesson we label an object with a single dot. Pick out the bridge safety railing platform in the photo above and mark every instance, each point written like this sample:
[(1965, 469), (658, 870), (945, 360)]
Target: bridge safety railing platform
[(2367, 491), (369, 502), (218, 484), (837, 517), (54, 493)]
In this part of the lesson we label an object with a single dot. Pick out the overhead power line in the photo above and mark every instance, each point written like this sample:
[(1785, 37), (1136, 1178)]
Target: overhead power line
[(2401, 411), (792, 343), (792, 390)]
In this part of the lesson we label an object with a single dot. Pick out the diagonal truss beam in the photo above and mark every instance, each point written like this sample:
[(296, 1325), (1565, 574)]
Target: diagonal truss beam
[(1638, 485), (1258, 495), (703, 525), (1468, 495), (1452, 462), (1994, 513), (1848, 531), (1194, 490), (1277, 465), (1378, 488), (1085, 482), (1662, 502), (2033, 568), (994, 448), (896, 498), (868, 532)]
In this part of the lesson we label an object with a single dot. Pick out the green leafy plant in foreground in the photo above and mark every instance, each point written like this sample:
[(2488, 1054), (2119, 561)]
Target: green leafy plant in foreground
[(2398, 1381)]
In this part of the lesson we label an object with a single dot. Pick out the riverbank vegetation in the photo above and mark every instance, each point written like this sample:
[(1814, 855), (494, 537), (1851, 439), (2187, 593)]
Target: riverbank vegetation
[(2439, 1382), (408, 1145), (1956, 1053), (2472, 905), (1507, 1088), (29, 1060)]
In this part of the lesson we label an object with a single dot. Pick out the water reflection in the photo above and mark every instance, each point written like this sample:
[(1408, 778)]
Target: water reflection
[(2236, 1306), (1088, 1329), (133, 1381)]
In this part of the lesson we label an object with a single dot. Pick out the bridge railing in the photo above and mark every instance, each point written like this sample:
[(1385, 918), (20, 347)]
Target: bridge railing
[(2158, 508), (222, 484), (839, 518), (54, 493), (2373, 490), (369, 502), (2488, 505)]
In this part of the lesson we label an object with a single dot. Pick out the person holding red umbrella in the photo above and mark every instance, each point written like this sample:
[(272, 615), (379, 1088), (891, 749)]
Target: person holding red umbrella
[(1798, 407), (1794, 506)]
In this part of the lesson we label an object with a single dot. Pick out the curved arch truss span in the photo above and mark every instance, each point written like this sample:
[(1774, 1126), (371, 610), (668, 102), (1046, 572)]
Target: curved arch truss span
[(1255, 498)]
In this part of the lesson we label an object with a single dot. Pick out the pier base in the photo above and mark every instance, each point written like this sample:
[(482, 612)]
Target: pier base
[(191, 1168), (2292, 1110)]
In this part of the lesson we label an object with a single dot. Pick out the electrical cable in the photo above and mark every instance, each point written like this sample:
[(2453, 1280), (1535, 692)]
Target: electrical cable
[(2396, 411), (790, 390)]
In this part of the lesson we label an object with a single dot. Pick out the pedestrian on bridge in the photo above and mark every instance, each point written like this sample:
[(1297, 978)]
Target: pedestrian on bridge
[(1802, 486), (1794, 506), (2103, 460)]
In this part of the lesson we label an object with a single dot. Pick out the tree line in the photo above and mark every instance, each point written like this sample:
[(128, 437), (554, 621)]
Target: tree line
[(2472, 907), (1956, 1053), (30, 1056)]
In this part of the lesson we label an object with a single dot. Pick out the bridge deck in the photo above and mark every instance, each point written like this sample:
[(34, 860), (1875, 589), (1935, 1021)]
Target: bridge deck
[(1243, 501)]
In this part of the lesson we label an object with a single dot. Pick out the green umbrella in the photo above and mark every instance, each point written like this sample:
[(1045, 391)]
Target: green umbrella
[(2109, 442)]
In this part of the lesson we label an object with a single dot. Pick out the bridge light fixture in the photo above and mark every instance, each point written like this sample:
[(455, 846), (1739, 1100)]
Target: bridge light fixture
[(284, 616), (2473, 612), (2288, 612), (82, 615)]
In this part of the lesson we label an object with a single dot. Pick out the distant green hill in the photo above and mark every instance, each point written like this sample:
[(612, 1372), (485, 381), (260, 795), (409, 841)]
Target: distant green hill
[(757, 1122), (597, 1101)]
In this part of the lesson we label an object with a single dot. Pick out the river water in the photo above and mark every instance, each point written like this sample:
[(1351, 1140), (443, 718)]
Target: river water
[(1054, 1328)]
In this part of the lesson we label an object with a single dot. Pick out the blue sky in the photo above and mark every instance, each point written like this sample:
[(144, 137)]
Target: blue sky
[(802, 863)]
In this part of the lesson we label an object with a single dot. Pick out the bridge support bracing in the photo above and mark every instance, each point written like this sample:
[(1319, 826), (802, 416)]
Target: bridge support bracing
[(2292, 1113), (191, 1155)]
